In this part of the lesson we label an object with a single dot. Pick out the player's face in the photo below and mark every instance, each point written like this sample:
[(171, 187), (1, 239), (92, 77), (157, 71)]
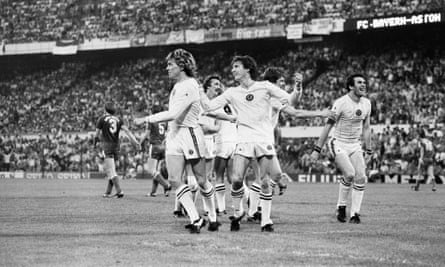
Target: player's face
[(214, 89), (359, 86), (173, 69), (238, 71), (281, 83)]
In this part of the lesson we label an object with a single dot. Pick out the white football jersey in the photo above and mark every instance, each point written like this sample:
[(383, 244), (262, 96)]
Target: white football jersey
[(252, 106), (276, 107), (349, 116), (185, 93)]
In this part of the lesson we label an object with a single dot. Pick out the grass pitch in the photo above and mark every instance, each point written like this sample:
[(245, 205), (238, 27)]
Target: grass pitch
[(68, 223)]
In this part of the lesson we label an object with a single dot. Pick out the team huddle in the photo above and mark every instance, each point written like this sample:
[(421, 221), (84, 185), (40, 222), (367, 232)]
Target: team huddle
[(215, 132)]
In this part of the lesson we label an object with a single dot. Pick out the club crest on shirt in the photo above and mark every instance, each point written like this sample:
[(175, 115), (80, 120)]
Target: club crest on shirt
[(249, 97), (358, 112), (191, 151), (269, 147)]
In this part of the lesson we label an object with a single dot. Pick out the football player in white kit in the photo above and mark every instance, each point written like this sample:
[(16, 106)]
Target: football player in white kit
[(275, 76), (225, 143), (251, 101), (185, 139), (352, 119)]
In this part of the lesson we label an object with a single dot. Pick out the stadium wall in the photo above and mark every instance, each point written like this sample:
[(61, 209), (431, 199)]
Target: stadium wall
[(300, 178)]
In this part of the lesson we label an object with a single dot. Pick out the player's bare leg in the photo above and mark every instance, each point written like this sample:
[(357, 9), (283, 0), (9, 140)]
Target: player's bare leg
[(175, 166), (154, 187), (240, 164), (276, 178), (110, 170), (254, 191), (358, 186), (419, 177), (430, 171), (207, 191), (344, 187), (109, 188), (220, 167), (266, 166)]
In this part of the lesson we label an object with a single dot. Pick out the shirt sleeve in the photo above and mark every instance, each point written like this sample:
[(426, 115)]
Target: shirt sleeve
[(337, 109), (278, 93), (217, 102), (276, 104)]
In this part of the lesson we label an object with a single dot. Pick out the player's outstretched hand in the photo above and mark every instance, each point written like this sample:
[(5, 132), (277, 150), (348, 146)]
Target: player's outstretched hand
[(327, 113)]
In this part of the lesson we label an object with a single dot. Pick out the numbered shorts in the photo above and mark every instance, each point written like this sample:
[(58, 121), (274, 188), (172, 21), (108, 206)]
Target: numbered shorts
[(210, 152), (186, 141), (255, 150), (225, 150), (336, 147)]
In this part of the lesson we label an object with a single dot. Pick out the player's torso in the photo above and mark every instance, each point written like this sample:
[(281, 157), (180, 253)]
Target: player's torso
[(190, 117), (350, 123), (252, 107), (158, 132), (111, 127), (428, 148)]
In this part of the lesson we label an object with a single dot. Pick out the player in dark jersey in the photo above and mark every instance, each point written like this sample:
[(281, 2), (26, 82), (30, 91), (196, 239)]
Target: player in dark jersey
[(108, 127), (155, 135), (426, 160)]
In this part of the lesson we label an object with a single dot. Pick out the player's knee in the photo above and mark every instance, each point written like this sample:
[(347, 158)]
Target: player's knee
[(360, 179), (265, 184), (237, 183), (276, 177), (349, 177)]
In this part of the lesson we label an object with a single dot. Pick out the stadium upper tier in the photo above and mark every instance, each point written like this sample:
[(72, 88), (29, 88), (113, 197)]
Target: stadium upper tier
[(406, 85), (47, 20)]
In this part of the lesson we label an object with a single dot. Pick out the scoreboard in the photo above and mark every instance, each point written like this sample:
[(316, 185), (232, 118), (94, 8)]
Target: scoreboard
[(393, 21)]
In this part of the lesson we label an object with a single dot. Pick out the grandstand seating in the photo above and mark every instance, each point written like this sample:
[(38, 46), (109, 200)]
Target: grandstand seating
[(46, 20)]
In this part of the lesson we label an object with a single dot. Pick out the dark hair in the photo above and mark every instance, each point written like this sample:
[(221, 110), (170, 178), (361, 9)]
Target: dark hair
[(110, 108), (248, 63), (208, 80), (185, 60), (351, 79), (272, 74)]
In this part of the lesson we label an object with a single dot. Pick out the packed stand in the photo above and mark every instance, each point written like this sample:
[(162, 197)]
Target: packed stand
[(405, 87), (47, 20)]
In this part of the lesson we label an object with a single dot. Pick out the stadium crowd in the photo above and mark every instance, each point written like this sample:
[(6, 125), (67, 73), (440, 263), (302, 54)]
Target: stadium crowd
[(405, 87), (395, 152), (47, 20), (46, 113)]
